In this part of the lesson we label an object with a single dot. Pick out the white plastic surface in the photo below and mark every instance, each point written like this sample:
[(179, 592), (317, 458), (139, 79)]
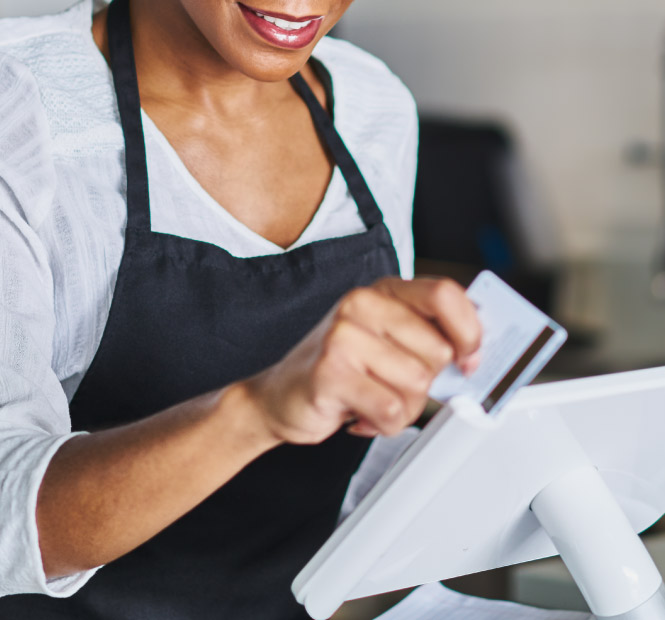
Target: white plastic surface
[(604, 555), (479, 518), (402, 495), (653, 609)]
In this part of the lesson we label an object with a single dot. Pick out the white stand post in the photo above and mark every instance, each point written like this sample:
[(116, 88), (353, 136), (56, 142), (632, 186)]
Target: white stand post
[(607, 560)]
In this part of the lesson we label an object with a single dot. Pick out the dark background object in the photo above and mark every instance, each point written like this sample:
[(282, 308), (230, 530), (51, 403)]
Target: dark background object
[(466, 210)]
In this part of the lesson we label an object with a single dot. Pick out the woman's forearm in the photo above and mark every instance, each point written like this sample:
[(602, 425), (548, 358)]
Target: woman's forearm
[(370, 360), (105, 493)]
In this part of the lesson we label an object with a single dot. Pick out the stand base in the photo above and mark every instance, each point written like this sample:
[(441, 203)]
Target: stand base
[(653, 609), (606, 558)]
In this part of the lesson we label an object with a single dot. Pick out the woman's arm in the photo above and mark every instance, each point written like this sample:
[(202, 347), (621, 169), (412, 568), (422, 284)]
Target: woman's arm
[(105, 493), (370, 361)]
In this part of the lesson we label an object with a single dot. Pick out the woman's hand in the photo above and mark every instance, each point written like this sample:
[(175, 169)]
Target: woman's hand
[(370, 361)]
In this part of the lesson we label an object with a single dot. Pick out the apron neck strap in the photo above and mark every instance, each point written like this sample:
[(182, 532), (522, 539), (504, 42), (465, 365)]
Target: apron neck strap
[(367, 207), (123, 68)]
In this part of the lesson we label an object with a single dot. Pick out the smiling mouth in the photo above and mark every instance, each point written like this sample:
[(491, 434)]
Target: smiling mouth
[(285, 22), (285, 31)]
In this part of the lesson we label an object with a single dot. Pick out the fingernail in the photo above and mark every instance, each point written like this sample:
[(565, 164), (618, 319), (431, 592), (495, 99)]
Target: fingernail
[(360, 430), (470, 364)]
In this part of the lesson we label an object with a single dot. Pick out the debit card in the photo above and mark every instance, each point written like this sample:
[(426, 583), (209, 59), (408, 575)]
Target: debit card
[(518, 340)]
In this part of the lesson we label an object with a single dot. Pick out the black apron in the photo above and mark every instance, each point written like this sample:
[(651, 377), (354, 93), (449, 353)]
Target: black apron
[(187, 318)]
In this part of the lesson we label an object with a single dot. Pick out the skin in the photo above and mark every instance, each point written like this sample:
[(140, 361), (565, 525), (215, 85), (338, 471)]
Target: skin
[(213, 87), (215, 90)]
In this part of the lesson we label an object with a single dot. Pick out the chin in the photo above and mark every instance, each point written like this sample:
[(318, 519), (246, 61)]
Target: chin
[(273, 67)]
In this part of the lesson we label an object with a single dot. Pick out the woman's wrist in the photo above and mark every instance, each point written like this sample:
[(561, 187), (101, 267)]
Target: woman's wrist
[(241, 412)]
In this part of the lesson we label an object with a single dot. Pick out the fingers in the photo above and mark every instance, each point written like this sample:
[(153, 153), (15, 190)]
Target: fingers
[(443, 301), (400, 335), (389, 319), (371, 360), (374, 407), (377, 408), (381, 383)]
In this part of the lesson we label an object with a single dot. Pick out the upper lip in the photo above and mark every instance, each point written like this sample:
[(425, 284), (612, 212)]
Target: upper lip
[(288, 18)]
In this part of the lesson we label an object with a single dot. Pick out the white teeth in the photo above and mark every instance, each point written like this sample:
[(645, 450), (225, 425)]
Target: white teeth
[(283, 24)]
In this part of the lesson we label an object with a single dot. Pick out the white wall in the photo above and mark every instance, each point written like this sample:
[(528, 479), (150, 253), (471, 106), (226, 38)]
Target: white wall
[(578, 80)]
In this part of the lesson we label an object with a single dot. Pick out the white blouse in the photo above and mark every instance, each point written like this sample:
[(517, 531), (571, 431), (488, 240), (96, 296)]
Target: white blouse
[(62, 220)]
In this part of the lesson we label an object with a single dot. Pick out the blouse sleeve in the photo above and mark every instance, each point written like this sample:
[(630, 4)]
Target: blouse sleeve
[(407, 163), (34, 416)]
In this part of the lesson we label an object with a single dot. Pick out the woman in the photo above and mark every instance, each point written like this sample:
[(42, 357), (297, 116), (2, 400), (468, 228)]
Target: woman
[(223, 368)]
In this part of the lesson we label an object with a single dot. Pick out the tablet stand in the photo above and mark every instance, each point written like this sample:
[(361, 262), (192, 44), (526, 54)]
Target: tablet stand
[(606, 558), (575, 467)]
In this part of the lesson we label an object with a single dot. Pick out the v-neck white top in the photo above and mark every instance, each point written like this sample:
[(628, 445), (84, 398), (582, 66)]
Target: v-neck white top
[(62, 220)]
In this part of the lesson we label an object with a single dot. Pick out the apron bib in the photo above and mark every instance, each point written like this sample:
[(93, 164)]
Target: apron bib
[(187, 318)]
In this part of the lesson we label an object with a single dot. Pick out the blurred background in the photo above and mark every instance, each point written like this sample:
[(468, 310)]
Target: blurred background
[(541, 158)]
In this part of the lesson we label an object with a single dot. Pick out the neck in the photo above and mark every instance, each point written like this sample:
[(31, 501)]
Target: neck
[(176, 64)]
